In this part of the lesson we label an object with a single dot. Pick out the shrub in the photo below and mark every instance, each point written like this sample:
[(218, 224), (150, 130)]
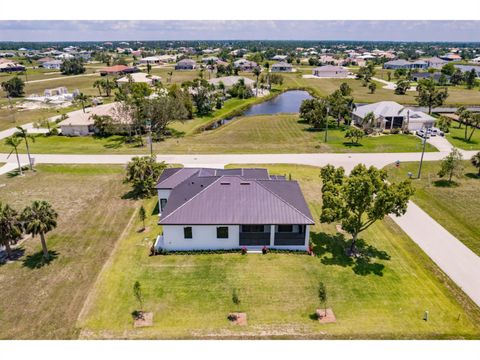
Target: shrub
[(264, 250), (244, 250), (395, 131), (386, 132)]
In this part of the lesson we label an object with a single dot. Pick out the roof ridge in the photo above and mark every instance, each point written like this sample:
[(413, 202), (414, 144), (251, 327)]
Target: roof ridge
[(286, 202), (189, 200)]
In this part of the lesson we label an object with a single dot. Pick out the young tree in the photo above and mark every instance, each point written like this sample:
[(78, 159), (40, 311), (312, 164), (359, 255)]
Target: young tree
[(10, 227), (314, 112), (457, 77), (13, 87), (369, 120), (345, 89), (475, 160), (472, 122), (142, 215), (267, 69), (322, 295), (23, 134), (354, 134), (429, 95), (470, 78), (451, 165), (14, 142), (38, 219), (143, 173), (372, 87), (361, 199), (235, 297), (448, 69), (137, 292), (149, 67), (98, 84)]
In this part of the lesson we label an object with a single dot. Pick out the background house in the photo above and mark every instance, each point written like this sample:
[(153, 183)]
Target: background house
[(391, 115), (186, 64), (282, 67), (330, 71)]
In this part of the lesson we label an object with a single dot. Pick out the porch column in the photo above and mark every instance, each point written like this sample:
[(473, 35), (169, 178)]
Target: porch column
[(307, 235), (272, 235)]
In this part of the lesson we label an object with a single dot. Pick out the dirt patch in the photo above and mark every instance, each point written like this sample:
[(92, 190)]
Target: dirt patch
[(143, 319), (238, 318), (325, 318)]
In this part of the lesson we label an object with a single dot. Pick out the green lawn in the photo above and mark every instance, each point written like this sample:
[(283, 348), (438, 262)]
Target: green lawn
[(458, 95), (253, 134), (457, 138), (43, 302), (382, 296), (457, 208)]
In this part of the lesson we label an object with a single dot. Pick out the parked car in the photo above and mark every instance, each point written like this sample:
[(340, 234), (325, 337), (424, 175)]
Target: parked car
[(424, 133), (436, 131)]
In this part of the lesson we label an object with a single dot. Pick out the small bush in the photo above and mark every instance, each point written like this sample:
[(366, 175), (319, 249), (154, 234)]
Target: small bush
[(395, 131), (386, 132), (244, 250)]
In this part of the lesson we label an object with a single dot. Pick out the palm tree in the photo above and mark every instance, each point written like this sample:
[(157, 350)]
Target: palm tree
[(39, 219), (108, 86), (82, 98), (256, 72), (267, 67), (14, 142), (23, 134), (476, 161), (99, 85), (10, 228)]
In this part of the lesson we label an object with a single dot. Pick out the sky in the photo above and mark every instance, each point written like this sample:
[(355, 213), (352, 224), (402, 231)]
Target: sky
[(87, 30)]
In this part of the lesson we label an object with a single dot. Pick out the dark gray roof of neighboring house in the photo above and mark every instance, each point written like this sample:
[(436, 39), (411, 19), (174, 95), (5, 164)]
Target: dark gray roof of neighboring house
[(186, 62), (236, 199), (466, 68)]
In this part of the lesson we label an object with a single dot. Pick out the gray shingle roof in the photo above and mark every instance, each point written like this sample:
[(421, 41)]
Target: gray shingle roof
[(228, 197)]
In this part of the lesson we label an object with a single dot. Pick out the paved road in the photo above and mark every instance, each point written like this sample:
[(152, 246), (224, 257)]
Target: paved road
[(460, 263), (348, 161), (60, 78), (29, 127)]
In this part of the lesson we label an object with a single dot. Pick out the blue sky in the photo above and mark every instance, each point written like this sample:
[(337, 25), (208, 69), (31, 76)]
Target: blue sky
[(44, 30)]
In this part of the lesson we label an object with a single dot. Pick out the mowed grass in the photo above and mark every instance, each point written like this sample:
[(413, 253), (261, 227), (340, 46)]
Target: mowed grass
[(251, 134), (458, 95), (457, 137), (43, 302), (457, 207), (384, 296)]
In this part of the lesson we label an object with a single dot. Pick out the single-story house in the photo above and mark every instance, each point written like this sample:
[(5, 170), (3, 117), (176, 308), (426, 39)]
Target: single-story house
[(404, 64), (330, 71), (139, 77), (475, 60), (282, 67), (81, 123), (11, 66), (43, 60), (215, 209), (426, 75), (245, 65), (229, 81), (213, 59), (280, 57), (435, 62), (152, 60), (468, 68), (451, 57), (186, 64), (53, 64), (118, 70), (391, 115)]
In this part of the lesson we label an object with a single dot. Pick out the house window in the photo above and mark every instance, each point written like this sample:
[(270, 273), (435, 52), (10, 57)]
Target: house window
[(187, 232), (163, 203), (285, 228), (252, 228), (222, 232)]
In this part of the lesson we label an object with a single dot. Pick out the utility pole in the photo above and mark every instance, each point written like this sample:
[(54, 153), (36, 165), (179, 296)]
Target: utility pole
[(326, 125), (423, 152), (149, 129)]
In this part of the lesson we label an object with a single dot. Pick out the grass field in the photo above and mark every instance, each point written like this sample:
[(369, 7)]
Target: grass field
[(458, 95), (457, 138), (43, 302), (252, 134), (382, 296), (457, 208)]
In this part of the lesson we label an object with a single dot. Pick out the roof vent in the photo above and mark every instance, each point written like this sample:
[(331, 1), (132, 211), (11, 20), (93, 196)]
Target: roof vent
[(224, 183), (244, 183)]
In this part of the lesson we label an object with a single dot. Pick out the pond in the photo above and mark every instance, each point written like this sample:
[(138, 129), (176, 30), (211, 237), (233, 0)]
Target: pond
[(287, 102)]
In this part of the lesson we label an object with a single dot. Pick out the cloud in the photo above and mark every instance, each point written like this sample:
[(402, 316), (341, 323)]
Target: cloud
[(239, 30)]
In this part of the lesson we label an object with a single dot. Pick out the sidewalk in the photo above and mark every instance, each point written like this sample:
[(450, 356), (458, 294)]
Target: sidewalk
[(460, 263)]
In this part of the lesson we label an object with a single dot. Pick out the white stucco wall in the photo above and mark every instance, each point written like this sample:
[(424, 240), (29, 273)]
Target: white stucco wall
[(204, 237)]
